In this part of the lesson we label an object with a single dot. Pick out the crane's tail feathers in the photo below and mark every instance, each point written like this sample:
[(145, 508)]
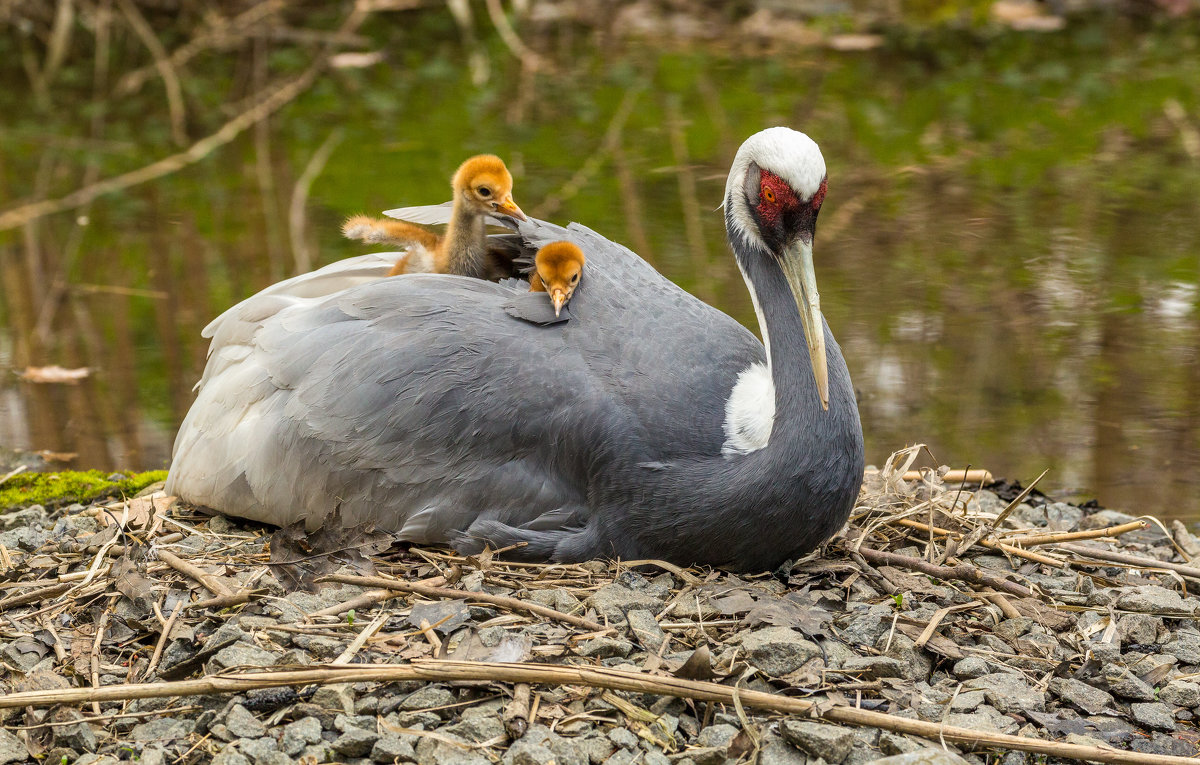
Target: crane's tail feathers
[(561, 545)]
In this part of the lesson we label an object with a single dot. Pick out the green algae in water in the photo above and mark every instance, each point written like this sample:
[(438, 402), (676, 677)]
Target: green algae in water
[(71, 486)]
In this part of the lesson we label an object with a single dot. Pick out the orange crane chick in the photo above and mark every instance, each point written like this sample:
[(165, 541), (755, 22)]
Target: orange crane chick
[(482, 186), (557, 269)]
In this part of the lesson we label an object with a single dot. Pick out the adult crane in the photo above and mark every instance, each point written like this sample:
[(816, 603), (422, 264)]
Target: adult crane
[(649, 425)]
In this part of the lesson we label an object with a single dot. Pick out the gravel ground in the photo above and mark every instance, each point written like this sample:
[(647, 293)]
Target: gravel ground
[(1072, 649)]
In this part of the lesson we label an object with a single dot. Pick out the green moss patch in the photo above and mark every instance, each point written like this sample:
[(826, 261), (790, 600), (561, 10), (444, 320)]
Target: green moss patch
[(71, 486)]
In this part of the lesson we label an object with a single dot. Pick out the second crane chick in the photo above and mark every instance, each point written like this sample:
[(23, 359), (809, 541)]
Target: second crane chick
[(557, 269), (482, 186)]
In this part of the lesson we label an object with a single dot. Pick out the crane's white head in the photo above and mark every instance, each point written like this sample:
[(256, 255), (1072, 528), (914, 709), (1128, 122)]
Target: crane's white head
[(772, 198)]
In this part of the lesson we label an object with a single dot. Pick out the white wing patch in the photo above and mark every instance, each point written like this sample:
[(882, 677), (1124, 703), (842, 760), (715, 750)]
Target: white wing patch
[(750, 411)]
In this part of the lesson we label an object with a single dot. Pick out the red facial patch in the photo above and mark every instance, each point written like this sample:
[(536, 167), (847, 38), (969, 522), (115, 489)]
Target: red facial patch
[(774, 196), (819, 197)]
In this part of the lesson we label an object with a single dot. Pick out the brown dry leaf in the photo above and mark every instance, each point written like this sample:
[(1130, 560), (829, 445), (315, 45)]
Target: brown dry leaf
[(698, 666), (144, 512), (81, 649), (788, 612), (130, 583), (54, 374), (299, 558), (740, 745)]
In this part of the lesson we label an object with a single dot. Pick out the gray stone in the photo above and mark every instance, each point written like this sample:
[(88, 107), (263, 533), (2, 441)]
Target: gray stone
[(343, 722), (926, 756), (776, 751), (829, 742), (321, 646), (1008, 692), (1152, 599), (564, 751), (917, 664), (242, 724), (355, 742), (339, 698), (867, 667), (243, 655), (704, 755), (1181, 693), (596, 747), (644, 629), (28, 516), (272, 758), (613, 601), (306, 730), (1154, 715), (1087, 698), (392, 748), (967, 701), (230, 756), (257, 748), (716, 735), (162, 729), (623, 737), (897, 743), (152, 755), (630, 757), (778, 650), (971, 667), (1121, 682), (527, 753), (26, 538), (96, 759), (1141, 629), (478, 728), (1011, 629), (604, 648), (11, 748), (428, 697), (865, 629), (432, 752), (1161, 743), (80, 736), (1184, 646)]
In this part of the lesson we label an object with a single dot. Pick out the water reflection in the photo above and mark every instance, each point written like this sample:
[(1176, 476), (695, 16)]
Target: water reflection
[(1007, 254)]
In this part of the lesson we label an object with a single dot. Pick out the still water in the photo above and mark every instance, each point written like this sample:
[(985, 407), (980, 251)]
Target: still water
[(1008, 253)]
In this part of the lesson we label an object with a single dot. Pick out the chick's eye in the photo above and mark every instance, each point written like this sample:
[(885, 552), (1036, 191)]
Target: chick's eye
[(484, 191), (574, 278), (768, 194)]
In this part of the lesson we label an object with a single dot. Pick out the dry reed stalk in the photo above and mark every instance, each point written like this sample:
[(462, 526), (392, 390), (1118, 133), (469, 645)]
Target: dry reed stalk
[(513, 604), (595, 677), (210, 582), (1068, 536), (962, 572), (1001, 546)]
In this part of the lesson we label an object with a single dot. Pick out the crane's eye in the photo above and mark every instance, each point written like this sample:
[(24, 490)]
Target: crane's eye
[(768, 194), (484, 191)]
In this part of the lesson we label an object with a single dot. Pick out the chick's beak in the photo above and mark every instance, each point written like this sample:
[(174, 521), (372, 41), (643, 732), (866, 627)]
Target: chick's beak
[(559, 298), (509, 207)]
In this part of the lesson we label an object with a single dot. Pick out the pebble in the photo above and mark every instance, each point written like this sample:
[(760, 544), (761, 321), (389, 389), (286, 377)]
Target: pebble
[(1181, 693), (1087, 698), (778, 650), (1154, 715), (926, 756), (829, 742)]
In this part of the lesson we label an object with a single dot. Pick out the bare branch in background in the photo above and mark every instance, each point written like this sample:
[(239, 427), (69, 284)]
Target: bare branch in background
[(300, 254), (56, 51), (23, 213), (219, 33), (512, 41), (161, 62)]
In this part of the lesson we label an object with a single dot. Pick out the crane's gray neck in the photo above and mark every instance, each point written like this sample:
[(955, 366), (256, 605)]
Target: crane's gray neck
[(466, 240), (758, 509)]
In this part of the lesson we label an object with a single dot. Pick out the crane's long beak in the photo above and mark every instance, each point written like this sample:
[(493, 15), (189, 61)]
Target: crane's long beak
[(798, 269), (509, 207)]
